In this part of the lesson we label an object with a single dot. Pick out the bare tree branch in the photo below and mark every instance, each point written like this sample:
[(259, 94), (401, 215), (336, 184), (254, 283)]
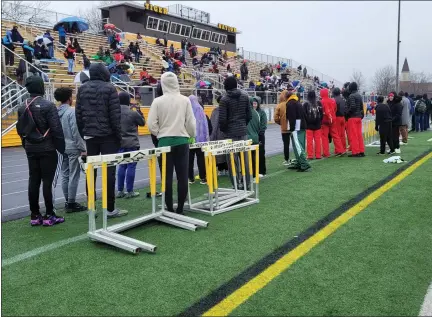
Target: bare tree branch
[(418, 81), (93, 16), (358, 77), (26, 11), (384, 80)]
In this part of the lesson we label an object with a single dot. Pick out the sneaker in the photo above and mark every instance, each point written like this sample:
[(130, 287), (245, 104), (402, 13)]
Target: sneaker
[(391, 152), (261, 175), (286, 163), (75, 207), (293, 167), (379, 153), (52, 220), (203, 182), (36, 221), (121, 194), (397, 151), (361, 155), (148, 195), (191, 182), (116, 213), (304, 170), (132, 194)]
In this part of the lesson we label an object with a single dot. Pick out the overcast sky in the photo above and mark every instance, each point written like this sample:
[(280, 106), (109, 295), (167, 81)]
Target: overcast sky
[(334, 37)]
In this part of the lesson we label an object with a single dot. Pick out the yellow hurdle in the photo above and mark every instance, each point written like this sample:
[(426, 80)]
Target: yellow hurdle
[(210, 174), (257, 165), (104, 192), (214, 174), (163, 181)]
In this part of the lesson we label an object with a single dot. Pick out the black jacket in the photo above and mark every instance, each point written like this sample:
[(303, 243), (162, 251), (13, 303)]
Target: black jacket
[(294, 112), (234, 113), (396, 110), (97, 110), (341, 106), (313, 124), (45, 116), (383, 114), (355, 106)]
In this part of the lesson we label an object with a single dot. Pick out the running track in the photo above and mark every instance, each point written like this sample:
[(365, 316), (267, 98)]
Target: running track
[(14, 176)]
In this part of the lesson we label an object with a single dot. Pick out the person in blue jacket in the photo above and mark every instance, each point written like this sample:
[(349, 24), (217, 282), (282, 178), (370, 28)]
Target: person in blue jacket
[(62, 34), (7, 42), (28, 51)]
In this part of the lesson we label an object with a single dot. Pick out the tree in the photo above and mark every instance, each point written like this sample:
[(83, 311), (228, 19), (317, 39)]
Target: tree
[(418, 83), (26, 12), (93, 16), (384, 80), (358, 77)]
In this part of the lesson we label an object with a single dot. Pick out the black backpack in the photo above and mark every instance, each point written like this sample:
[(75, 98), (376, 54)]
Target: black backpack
[(27, 128)]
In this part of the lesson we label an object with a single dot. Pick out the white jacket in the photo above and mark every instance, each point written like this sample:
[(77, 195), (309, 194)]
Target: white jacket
[(171, 115)]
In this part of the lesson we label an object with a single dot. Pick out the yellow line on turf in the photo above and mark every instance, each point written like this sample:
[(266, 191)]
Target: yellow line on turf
[(227, 305)]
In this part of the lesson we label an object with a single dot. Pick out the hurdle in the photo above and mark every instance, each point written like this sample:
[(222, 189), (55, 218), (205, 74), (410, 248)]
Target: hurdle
[(220, 200), (110, 234)]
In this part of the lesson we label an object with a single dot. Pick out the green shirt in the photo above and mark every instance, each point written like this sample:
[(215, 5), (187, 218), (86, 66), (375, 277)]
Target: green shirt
[(172, 141)]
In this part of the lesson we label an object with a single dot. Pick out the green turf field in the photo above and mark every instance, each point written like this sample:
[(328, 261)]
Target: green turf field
[(377, 264)]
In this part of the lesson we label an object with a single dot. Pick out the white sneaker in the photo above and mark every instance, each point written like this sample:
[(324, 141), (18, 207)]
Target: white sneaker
[(286, 163), (397, 151)]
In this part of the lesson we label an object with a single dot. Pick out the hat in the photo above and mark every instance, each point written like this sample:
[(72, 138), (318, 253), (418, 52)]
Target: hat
[(230, 83), (124, 98), (391, 94)]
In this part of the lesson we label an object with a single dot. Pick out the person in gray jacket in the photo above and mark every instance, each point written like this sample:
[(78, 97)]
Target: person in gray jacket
[(403, 129), (130, 120), (74, 148)]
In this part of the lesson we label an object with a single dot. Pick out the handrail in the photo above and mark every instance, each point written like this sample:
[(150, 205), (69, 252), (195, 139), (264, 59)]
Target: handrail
[(20, 93), (5, 131)]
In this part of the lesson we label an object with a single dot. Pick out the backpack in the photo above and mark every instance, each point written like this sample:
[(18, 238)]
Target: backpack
[(27, 128), (421, 106)]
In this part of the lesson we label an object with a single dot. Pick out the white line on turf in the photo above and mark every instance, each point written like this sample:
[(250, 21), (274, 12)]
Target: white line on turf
[(426, 309), (43, 249), (430, 140)]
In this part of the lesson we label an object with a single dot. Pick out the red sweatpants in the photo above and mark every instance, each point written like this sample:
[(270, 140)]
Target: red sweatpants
[(332, 130), (340, 127), (355, 135), (313, 139)]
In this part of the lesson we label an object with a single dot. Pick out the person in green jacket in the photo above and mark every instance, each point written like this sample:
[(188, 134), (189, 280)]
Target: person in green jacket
[(261, 135), (253, 129)]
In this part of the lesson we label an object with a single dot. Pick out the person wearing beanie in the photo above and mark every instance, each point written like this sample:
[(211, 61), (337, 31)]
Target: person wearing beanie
[(234, 116), (216, 135), (297, 125), (98, 116), (174, 131), (340, 117), (383, 124), (314, 115), (256, 102), (253, 129), (328, 127), (355, 114), (42, 138), (279, 117), (131, 119), (394, 101)]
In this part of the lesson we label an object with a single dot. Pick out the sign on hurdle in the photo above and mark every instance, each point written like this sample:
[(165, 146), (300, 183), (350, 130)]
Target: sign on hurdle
[(219, 200), (109, 234)]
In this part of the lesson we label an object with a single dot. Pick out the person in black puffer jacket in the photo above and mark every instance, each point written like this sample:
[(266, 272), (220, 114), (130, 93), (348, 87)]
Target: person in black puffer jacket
[(355, 114), (234, 116), (340, 115), (394, 101), (98, 117), (42, 154)]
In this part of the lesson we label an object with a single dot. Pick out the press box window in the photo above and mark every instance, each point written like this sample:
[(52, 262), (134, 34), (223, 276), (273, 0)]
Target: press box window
[(201, 34), (218, 38), (157, 24), (180, 29)]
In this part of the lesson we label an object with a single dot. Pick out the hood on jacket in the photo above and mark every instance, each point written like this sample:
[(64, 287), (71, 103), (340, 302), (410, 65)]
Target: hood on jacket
[(257, 100), (62, 109), (9, 33), (169, 83), (124, 98), (353, 87), (293, 97), (98, 71), (336, 92), (35, 85), (324, 93), (234, 93)]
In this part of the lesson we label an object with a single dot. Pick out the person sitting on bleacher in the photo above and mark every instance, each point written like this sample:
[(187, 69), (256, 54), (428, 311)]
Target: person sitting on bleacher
[(99, 54), (28, 51), (108, 59), (118, 56)]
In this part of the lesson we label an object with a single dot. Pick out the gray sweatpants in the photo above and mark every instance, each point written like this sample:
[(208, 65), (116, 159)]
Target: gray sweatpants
[(70, 175)]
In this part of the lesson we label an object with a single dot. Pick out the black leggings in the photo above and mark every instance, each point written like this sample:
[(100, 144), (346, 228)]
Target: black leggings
[(262, 161), (386, 135), (286, 144), (42, 168), (178, 160), (200, 162), (395, 134)]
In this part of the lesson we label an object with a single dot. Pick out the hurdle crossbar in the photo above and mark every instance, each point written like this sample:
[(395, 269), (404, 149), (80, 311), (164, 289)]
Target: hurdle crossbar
[(110, 234)]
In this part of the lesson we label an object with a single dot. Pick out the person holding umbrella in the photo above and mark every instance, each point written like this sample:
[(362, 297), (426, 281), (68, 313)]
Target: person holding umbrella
[(62, 34)]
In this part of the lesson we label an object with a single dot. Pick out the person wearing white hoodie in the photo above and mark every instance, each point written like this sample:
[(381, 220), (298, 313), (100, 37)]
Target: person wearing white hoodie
[(172, 121)]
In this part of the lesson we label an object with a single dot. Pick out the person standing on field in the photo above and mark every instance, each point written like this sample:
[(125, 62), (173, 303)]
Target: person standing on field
[(328, 126), (355, 114), (383, 124), (314, 115), (406, 106), (340, 117), (279, 117)]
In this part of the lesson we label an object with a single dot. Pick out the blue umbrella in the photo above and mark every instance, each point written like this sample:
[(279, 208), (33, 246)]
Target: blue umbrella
[(82, 24)]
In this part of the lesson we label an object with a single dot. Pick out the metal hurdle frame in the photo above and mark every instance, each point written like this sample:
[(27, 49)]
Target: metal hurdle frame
[(220, 200), (109, 234)]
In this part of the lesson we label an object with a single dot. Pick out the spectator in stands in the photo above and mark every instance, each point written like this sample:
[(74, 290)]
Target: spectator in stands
[(77, 47), (297, 125), (383, 124), (83, 75), (16, 36), (137, 52), (244, 71), (7, 41), (62, 34), (328, 127), (234, 116), (165, 40), (139, 37), (280, 118), (175, 131), (305, 72), (41, 140), (108, 59), (70, 56), (256, 102), (314, 114), (99, 54), (127, 55), (172, 50), (405, 117), (28, 50), (130, 121), (202, 135), (74, 148), (144, 74), (50, 45), (225, 55), (98, 116), (355, 114), (118, 56), (183, 44), (110, 35), (299, 69), (340, 117)]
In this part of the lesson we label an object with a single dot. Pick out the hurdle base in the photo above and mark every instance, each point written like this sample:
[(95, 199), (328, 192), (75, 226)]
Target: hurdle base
[(199, 208)]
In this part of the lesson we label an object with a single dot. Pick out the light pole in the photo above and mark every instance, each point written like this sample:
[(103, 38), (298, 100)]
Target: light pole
[(398, 44)]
